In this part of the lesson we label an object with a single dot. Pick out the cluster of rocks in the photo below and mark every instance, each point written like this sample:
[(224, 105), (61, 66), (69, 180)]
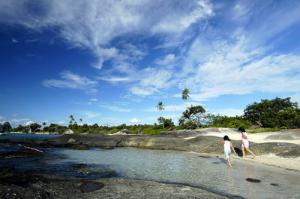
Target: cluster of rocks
[(166, 141), (16, 185)]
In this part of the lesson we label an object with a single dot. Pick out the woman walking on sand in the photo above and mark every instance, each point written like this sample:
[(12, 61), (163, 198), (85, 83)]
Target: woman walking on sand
[(245, 142)]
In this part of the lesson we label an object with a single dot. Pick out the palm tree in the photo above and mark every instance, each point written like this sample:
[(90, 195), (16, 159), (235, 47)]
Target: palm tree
[(185, 94), (160, 107), (44, 125), (80, 120), (72, 119)]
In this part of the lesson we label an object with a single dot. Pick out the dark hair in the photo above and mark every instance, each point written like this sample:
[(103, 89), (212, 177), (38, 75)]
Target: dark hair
[(226, 138), (242, 129)]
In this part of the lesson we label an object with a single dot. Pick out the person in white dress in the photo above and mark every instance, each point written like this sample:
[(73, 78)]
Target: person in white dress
[(227, 149)]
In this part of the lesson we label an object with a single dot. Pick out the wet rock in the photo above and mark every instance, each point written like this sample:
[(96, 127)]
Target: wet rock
[(69, 131), (79, 166), (22, 153), (6, 172), (80, 146), (253, 180), (16, 192), (87, 187), (97, 172)]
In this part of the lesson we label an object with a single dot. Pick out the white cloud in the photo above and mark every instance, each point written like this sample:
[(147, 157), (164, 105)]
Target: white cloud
[(134, 120), (28, 123), (88, 114), (115, 108), (72, 81), (20, 121), (152, 81), (183, 16), (234, 68), (229, 112), (94, 100), (94, 24), (168, 59), (114, 79), (13, 40)]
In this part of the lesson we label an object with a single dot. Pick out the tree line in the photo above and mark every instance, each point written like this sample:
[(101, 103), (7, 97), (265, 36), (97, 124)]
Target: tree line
[(273, 113)]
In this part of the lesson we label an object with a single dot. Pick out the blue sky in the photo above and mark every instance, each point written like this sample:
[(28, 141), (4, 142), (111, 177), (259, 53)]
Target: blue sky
[(110, 62)]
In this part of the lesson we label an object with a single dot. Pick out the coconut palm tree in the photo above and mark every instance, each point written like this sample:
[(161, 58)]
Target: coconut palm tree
[(185, 94), (72, 119), (160, 107)]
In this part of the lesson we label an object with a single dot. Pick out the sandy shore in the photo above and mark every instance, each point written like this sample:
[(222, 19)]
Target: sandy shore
[(290, 136), (273, 160)]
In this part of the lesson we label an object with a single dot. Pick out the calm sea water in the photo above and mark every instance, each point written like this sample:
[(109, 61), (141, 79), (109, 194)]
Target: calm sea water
[(182, 167), (27, 136)]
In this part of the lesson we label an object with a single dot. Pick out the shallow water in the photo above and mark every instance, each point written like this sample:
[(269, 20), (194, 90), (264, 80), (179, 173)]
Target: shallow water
[(210, 173), (27, 136), (188, 168)]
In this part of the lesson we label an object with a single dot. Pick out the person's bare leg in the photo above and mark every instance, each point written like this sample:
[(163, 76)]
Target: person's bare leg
[(229, 163), (243, 151), (251, 153)]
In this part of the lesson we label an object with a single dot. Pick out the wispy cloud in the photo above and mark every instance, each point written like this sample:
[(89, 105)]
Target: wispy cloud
[(228, 112), (94, 24), (86, 114), (134, 120), (115, 79), (153, 80), (13, 40), (72, 81), (235, 69), (168, 59), (115, 108)]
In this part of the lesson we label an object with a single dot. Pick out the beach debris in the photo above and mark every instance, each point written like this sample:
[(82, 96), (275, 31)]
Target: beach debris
[(33, 149)]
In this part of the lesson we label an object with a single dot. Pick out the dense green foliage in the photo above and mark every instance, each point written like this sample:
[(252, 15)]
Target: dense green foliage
[(5, 127), (228, 122), (166, 122), (274, 113), (193, 116)]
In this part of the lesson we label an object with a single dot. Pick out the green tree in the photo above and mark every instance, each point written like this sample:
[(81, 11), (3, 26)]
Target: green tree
[(35, 127), (72, 120), (5, 127), (166, 122), (193, 115), (185, 94), (160, 107), (273, 113), (228, 122)]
